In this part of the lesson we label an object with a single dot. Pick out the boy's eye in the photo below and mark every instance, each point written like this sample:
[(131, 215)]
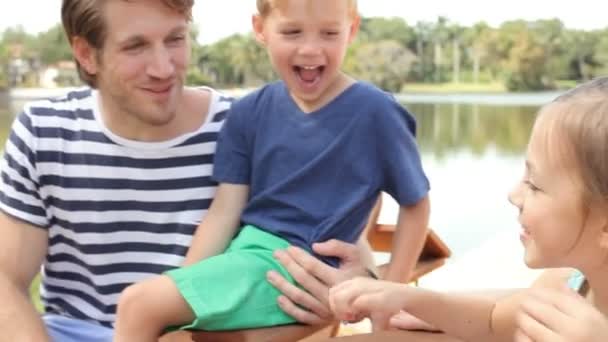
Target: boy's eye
[(331, 33), (290, 32)]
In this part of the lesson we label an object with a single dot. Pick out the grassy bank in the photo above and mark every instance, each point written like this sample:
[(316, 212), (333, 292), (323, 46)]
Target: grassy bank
[(34, 294), (454, 88)]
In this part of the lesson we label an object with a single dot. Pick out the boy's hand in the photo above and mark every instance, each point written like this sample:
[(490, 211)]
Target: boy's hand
[(364, 296), (559, 316)]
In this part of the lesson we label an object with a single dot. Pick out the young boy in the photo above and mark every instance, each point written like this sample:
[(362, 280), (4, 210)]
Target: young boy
[(299, 161)]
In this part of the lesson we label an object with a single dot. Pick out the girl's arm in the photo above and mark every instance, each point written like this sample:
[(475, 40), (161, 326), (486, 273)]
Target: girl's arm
[(220, 224)]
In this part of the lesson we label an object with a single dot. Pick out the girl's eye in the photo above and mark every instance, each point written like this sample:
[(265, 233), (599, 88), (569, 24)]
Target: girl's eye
[(531, 186)]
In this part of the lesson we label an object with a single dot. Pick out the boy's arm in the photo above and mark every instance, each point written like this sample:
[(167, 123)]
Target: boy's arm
[(220, 224), (409, 238), (22, 250)]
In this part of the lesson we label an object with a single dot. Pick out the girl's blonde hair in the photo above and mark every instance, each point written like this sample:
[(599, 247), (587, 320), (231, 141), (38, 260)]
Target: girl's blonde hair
[(266, 6), (580, 118)]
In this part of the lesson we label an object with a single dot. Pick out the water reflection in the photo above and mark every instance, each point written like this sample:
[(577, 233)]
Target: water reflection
[(447, 128), (473, 155)]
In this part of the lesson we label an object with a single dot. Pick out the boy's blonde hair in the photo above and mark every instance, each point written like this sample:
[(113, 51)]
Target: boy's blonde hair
[(85, 19), (580, 119), (266, 6)]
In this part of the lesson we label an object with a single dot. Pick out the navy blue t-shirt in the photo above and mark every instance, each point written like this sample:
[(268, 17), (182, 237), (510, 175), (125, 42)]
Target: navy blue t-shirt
[(316, 176)]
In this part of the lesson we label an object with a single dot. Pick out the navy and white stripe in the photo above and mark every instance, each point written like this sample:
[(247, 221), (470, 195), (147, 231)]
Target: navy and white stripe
[(116, 211)]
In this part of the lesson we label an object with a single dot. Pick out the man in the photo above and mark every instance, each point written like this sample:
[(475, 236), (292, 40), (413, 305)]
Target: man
[(105, 186)]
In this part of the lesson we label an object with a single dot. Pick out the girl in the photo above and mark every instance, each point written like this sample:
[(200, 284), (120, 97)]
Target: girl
[(563, 212)]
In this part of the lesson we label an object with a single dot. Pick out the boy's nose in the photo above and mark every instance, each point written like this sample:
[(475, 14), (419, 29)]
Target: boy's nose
[(310, 47)]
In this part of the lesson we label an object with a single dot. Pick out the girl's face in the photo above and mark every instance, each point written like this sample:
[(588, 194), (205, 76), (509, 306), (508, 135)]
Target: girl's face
[(550, 202)]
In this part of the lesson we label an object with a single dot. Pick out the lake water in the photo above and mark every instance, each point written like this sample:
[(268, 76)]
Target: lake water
[(472, 153)]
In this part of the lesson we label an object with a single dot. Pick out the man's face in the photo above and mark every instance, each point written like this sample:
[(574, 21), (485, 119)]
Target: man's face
[(141, 68)]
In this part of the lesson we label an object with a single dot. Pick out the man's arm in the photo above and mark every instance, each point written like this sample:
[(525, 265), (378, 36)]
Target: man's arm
[(409, 238), (219, 225), (22, 251)]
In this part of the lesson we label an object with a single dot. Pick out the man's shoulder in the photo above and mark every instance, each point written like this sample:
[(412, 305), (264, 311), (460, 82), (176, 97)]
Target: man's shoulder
[(73, 104)]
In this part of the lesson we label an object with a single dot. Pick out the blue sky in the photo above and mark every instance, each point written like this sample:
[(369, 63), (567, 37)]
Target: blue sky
[(219, 18)]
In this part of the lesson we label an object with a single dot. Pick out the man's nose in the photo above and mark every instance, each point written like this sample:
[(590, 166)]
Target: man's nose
[(161, 64)]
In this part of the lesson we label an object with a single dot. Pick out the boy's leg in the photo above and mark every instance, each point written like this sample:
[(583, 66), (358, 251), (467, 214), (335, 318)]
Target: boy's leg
[(145, 309)]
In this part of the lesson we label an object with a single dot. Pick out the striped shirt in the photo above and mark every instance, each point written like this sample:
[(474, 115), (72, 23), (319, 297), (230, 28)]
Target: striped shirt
[(116, 210)]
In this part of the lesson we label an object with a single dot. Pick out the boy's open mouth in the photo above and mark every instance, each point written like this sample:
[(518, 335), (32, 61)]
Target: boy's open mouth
[(309, 74)]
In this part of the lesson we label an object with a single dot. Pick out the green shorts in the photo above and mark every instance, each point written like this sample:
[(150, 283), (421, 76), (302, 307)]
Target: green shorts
[(230, 291)]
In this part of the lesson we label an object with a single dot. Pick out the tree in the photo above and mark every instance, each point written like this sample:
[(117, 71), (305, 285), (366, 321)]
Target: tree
[(456, 36), (53, 46), (527, 64), (377, 29), (3, 66), (385, 63), (601, 53), (478, 38), (581, 54)]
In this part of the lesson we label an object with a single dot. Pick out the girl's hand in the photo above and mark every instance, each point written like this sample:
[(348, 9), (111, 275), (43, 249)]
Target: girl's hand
[(406, 321), (376, 299), (559, 316)]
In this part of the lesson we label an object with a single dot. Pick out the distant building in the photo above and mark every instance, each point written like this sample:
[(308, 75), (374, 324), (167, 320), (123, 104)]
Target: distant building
[(60, 74)]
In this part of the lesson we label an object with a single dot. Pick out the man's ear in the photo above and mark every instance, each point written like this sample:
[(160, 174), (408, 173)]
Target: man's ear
[(257, 23), (85, 54)]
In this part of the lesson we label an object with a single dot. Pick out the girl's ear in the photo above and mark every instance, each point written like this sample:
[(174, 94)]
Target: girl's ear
[(602, 217), (604, 240)]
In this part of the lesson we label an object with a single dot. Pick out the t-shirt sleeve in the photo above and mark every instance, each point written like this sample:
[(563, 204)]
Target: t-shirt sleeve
[(232, 157), (20, 188), (402, 174)]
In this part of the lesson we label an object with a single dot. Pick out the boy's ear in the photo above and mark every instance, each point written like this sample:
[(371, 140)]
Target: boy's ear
[(258, 28), (85, 54), (354, 28)]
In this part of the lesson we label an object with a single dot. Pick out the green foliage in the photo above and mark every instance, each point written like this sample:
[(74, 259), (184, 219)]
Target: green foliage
[(3, 66), (386, 63), (53, 46), (523, 55)]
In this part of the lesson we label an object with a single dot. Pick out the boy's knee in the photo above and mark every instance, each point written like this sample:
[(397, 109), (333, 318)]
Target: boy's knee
[(132, 300)]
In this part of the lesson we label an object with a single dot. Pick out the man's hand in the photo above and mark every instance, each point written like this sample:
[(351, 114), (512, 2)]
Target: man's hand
[(312, 306)]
